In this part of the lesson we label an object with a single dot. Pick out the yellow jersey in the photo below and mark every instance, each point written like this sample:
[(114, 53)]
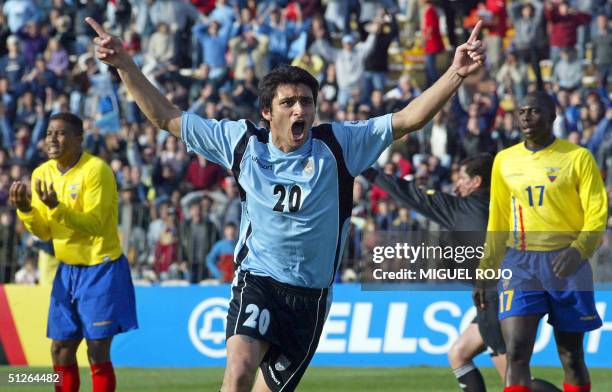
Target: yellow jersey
[(83, 226), (545, 200)]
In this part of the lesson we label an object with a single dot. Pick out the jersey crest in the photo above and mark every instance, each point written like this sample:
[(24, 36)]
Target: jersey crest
[(552, 173)]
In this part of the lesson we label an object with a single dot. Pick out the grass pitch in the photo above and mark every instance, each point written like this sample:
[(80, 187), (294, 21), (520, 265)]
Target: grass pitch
[(317, 379)]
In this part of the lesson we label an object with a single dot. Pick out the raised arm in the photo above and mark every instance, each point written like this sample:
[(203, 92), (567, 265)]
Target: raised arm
[(155, 106), (437, 206), (469, 57)]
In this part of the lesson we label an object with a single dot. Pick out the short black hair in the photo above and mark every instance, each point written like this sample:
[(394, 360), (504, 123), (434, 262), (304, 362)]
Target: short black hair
[(286, 74), (73, 120), (543, 99), (479, 165)]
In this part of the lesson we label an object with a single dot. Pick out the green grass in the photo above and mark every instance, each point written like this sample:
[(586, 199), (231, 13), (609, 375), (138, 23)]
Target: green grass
[(317, 379)]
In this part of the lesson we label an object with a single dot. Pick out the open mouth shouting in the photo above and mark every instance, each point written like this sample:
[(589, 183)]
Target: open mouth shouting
[(298, 130)]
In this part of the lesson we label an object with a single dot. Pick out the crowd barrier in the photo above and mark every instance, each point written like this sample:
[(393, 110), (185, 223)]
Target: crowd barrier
[(184, 327)]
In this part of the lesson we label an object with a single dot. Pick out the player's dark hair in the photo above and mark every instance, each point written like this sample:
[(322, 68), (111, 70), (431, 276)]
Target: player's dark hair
[(545, 100), (73, 120), (479, 165), (286, 74)]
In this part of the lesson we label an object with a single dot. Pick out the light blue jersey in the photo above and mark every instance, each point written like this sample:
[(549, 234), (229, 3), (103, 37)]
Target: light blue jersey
[(295, 206)]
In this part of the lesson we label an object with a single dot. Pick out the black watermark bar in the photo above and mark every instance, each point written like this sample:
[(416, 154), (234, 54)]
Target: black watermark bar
[(456, 261)]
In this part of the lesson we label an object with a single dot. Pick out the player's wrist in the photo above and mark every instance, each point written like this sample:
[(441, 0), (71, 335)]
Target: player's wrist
[(455, 71), (577, 249), (24, 209)]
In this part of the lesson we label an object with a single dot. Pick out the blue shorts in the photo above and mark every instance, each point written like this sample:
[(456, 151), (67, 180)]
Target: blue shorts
[(94, 302), (534, 289)]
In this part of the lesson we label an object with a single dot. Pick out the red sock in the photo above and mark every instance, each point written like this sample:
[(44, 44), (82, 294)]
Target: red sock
[(517, 388), (69, 378), (576, 388), (103, 377)]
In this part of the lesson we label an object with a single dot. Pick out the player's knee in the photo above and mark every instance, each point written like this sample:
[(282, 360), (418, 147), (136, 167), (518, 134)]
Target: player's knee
[(240, 376), (63, 352), (98, 351), (517, 356), (571, 360), (458, 355)]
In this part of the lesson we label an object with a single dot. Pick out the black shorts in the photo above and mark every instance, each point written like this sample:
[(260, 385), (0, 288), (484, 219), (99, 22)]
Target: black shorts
[(290, 318), (489, 326)]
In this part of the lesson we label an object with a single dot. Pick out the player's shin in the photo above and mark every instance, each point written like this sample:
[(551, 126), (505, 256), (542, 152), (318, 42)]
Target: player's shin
[(469, 378), (103, 377), (69, 378)]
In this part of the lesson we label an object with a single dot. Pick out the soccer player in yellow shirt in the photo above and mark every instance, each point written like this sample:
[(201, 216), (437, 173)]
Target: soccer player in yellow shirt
[(547, 213), (75, 203)]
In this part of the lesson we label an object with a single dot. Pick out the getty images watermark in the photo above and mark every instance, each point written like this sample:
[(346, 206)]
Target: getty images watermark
[(425, 260), (385, 256), (442, 260)]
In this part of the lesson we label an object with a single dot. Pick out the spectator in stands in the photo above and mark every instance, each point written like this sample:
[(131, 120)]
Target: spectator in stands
[(311, 63), (564, 21), (512, 78), (529, 38), (202, 174), (495, 16), (212, 42), (250, 49), (198, 234), (27, 274), (56, 57), (281, 33), (320, 41), (91, 9), (376, 64), (432, 38), (32, 43), (161, 48), (404, 222), (567, 72), (19, 12), (220, 260), (603, 50), (166, 247), (12, 65), (412, 21), (350, 65)]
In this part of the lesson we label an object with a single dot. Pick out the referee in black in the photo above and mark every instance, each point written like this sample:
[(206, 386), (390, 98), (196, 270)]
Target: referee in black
[(468, 211)]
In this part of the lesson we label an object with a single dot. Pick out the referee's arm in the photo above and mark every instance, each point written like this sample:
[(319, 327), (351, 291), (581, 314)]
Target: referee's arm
[(438, 206)]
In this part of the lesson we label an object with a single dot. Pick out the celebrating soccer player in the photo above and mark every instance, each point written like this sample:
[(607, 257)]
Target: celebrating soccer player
[(295, 183), (548, 207), (74, 202)]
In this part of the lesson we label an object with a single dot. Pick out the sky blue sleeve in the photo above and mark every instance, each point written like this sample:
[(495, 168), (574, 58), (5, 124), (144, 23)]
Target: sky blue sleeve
[(362, 142), (214, 139)]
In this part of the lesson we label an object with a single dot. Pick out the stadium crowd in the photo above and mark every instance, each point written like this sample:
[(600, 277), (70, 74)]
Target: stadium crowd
[(179, 213)]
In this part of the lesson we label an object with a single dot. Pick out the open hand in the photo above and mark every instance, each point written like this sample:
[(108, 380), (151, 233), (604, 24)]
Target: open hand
[(19, 198), (46, 194), (470, 56), (567, 262)]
